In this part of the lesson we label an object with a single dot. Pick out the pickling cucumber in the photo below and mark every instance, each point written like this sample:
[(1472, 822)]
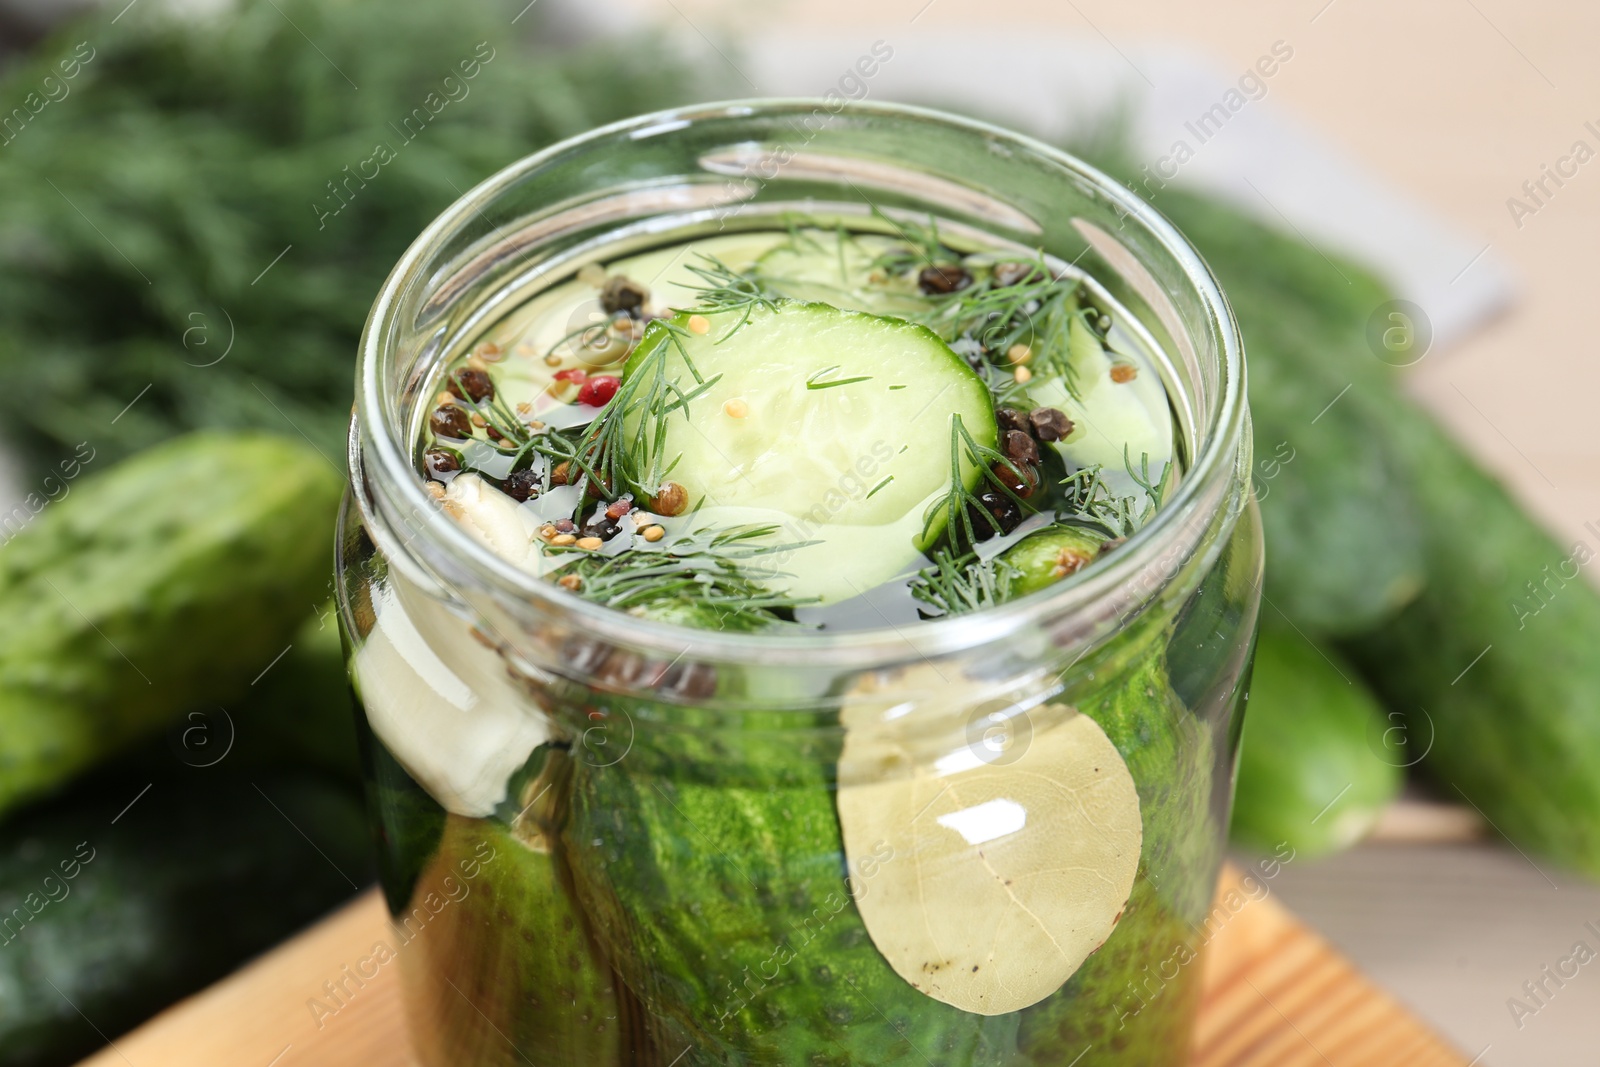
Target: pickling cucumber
[(498, 937), (1046, 557), (167, 583), (1310, 770), (834, 425)]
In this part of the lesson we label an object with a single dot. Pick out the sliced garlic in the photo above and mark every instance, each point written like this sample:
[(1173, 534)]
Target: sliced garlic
[(986, 881)]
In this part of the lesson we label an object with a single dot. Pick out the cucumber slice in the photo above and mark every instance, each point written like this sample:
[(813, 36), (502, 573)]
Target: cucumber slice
[(1108, 415), (832, 425)]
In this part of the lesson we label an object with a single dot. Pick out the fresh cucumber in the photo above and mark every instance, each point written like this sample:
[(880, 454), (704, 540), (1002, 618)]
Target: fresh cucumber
[(1503, 704), (713, 867), (1341, 519), (499, 938), (167, 583), (834, 425), (1044, 558), (1310, 771), (192, 878)]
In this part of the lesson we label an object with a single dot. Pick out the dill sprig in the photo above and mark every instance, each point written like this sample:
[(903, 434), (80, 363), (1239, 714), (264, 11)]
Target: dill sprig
[(725, 290), (958, 584), (1034, 309), (1088, 498), (708, 568), (923, 248), (959, 502), (610, 455)]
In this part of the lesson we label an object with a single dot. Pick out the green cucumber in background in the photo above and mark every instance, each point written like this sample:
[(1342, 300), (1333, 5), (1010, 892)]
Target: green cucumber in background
[(165, 583), (122, 919), (1517, 731), (1344, 536), (1310, 772)]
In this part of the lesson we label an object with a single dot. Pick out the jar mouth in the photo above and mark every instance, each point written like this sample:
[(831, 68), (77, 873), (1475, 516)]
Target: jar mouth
[(1116, 586)]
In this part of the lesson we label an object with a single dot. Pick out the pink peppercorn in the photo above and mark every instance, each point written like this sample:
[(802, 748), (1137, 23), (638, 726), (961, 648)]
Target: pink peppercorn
[(598, 391)]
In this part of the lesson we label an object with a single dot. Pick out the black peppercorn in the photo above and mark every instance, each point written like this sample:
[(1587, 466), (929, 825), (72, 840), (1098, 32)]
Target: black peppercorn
[(943, 278), (471, 384), (448, 420), (1019, 447), (1024, 485), (623, 296), (1011, 419), (522, 485), (997, 511), (441, 461), (602, 528), (1049, 424)]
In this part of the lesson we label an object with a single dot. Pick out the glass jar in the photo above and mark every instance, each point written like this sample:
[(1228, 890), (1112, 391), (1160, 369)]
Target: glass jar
[(612, 841)]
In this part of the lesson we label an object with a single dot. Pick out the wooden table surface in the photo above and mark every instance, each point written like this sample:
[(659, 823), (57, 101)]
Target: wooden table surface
[(1276, 995)]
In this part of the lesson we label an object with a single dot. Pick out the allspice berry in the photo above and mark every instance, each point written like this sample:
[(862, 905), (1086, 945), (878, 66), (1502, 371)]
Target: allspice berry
[(670, 499)]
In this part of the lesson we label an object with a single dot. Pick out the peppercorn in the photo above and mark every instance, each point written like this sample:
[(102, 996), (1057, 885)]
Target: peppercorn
[(570, 582), (604, 529), (560, 474), (598, 391), (1024, 485), (997, 511), (1049, 424), (1011, 419), (1019, 447), (472, 384), (670, 499), (618, 508), (522, 485), (448, 420), (943, 278), (623, 295), (565, 526), (441, 461)]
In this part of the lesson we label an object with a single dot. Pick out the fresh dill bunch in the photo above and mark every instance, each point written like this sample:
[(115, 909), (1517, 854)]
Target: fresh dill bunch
[(708, 569), (121, 289), (955, 585)]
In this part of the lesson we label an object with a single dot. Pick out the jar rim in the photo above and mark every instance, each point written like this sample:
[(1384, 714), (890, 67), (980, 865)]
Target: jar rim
[(374, 442)]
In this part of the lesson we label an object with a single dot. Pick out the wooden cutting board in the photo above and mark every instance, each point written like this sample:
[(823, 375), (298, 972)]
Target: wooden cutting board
[(1276, 995)]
